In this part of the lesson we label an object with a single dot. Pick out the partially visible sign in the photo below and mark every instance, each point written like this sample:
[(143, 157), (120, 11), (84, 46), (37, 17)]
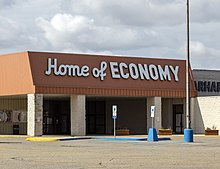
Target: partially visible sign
[(152, 111), (114, 111), (207, 86)]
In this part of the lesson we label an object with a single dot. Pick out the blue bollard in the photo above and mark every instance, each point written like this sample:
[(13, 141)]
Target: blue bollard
[(188, 135), (152, 135)]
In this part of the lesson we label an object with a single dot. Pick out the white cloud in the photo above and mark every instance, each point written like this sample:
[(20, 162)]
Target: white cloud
[(205, 11), (11, 32), (140, 13), (201, 54), (70, 24), (65, 30), (154, 28), (198, 48)]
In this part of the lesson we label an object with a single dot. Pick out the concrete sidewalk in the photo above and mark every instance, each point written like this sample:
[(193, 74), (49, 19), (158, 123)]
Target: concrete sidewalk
[(52, 138)]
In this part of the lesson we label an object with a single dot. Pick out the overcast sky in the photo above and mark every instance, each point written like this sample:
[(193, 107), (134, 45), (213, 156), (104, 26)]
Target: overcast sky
[(146, 28)]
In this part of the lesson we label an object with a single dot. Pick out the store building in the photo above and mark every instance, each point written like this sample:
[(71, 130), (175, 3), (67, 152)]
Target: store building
[(57, 93), (206, 107)]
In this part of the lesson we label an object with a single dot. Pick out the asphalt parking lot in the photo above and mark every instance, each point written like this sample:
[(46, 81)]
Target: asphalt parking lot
[(17, 153)]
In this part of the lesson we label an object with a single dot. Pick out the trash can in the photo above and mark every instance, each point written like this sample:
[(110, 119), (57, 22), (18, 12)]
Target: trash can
[(15, 129)]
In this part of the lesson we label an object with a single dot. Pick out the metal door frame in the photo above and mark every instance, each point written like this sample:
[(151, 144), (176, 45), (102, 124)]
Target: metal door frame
[(175, 113)]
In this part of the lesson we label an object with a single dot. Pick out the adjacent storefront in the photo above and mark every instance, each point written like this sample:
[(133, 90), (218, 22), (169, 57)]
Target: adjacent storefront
[(57, 93), (206, 107)]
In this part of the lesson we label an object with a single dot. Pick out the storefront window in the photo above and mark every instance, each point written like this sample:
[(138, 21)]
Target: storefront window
[(13, 116), (5, 115)]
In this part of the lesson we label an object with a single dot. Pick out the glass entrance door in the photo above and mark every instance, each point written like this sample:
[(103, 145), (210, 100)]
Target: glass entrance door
[(178, 119), (95, 117), (56, 118)]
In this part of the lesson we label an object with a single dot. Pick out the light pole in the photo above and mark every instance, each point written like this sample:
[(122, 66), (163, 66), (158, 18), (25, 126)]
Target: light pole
[(187, 71), (188, 132)]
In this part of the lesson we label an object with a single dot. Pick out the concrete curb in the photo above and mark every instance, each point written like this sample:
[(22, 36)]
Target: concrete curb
[(122, 139), (131, 139), (47, 139), (76, 138), (13, 136)]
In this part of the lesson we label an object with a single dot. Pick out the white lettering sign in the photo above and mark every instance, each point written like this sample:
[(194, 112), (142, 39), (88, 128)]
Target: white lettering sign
[(118, 70), (101, 71), (62, 70), (143, 71)]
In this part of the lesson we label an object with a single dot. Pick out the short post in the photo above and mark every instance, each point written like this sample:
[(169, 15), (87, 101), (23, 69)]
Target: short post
[(152, 133), (114, 127), (114, 116), (152, 117)]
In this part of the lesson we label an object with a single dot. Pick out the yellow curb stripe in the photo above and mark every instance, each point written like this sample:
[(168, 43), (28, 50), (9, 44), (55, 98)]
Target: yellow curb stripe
[(43, 139)]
